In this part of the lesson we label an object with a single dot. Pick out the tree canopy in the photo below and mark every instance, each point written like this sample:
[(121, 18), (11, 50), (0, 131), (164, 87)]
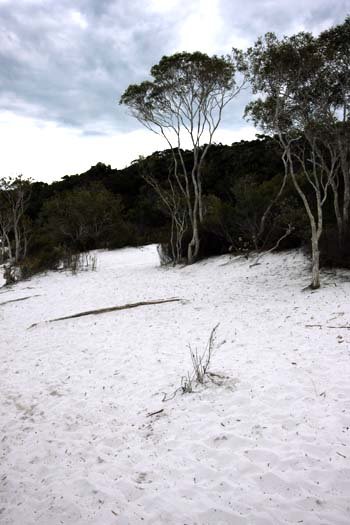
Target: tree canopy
[(185, 99)]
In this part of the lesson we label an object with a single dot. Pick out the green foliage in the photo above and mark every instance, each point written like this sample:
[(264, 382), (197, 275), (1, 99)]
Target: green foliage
[(47, 258), (183, 79), (84, 218)]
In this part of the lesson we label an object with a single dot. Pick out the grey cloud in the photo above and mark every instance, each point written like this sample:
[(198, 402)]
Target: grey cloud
[(53, 68), (246, 22), (283, 17)]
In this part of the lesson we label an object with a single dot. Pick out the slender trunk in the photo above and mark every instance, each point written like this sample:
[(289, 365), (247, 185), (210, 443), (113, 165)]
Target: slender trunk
[(199, 178), (268, 209), (193, 247), (2, 249), (200, 199), (17, 235), (316, 229), (196, 240), (345, 170), (338, 214), (315, 258), (25, 246), (172, 243), (9, 247), (346, 200), (17, 245)]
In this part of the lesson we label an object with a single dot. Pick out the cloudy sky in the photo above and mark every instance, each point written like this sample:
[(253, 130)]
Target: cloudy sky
[(65, 63)]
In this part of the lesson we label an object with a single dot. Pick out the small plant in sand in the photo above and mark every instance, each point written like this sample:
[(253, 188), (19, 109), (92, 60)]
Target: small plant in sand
[(200, 372), (79, 262), (200, 364)]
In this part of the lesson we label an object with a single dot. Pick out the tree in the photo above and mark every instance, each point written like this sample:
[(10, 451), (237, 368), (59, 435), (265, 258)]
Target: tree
[(334, 44), (185, 100), (14, 199), (5, 230), (288, 74), (172, 203)]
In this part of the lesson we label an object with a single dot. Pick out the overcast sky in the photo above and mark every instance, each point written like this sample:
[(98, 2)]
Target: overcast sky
[(65, 63)]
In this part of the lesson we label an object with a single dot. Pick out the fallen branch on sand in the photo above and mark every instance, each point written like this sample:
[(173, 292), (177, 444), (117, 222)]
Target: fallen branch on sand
[(288, 231), (155, 413), (344, 327), (20, 299), (110, 309)]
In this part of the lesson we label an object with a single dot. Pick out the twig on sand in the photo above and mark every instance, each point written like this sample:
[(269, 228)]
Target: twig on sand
[(345, 327), (171, 396), (19, 299), (341, 455), (155, 413), (110, 309)]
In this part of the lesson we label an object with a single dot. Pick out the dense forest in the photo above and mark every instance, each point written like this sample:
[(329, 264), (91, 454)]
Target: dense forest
[(110, 208), (289, 186)]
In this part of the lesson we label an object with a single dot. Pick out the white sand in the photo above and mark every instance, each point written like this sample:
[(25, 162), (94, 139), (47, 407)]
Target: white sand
[(270, 446)]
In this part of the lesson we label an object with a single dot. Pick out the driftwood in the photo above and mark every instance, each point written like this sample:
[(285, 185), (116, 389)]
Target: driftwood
[(20, 299), (110, 309)]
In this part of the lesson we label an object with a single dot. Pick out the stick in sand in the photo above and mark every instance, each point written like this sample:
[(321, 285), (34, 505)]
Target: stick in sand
[(110, 309)]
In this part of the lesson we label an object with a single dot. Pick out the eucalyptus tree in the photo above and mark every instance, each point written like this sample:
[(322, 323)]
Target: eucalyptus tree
[(5, 230), (294, 106), (15, 195), (334, 44), (184, 103)]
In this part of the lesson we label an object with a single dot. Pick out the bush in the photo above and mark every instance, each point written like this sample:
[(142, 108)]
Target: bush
[(84, 219), (46, 259), (200, 368)]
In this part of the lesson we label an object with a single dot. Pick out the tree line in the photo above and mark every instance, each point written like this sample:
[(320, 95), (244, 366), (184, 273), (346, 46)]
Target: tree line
[(302, 88), (289, 187)]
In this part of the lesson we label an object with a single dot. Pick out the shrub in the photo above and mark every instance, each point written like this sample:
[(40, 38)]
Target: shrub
[(79, 262), (200, 368), (48, 258)]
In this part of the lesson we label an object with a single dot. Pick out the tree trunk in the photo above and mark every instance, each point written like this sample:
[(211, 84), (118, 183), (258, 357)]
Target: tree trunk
[(172, 242), (316, 228), (17, 242), (2, 240), (337, 212), (346, 201), (343, 144), (315, 259), (200, 198), (193, 247), (9, 247)]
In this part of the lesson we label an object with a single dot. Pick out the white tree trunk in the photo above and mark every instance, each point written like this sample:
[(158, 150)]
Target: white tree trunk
[(315, 283)]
